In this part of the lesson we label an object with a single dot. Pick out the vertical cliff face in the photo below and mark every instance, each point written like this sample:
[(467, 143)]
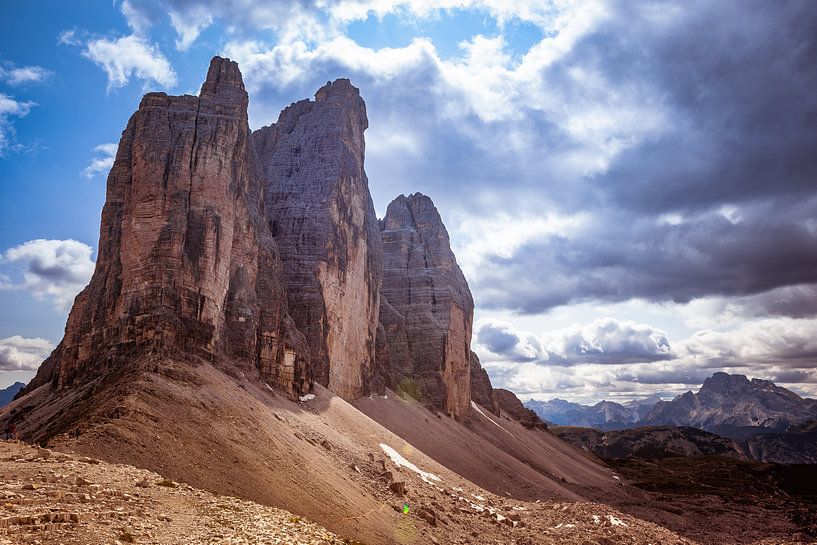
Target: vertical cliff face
[(429, 336), (321, 215), (513, 407), (262, 250), (481, 390), (186, 261)]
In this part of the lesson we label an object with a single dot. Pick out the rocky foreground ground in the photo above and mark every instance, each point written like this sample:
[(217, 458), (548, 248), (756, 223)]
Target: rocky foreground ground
[(54, 498), (49, 497)]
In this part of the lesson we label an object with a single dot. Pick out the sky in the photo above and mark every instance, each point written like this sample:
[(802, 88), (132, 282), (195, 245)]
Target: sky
[(629, 187)]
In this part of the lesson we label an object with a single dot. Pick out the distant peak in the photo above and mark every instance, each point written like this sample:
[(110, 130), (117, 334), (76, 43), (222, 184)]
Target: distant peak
[(223, 77), (341, 87)]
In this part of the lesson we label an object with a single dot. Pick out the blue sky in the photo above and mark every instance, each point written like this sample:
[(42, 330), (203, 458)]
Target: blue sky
[(629, 186)]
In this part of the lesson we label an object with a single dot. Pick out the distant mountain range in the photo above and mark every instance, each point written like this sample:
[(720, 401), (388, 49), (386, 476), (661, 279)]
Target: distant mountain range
[(729, 405), (7, 394), (604, 415)]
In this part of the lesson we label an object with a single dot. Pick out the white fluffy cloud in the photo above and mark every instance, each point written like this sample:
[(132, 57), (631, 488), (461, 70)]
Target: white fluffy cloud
[(21, 354), (52, 270), (21, 75), (621, 359), (10, 107), (603, 341), (786, 342), (102, 163), (129, 56)]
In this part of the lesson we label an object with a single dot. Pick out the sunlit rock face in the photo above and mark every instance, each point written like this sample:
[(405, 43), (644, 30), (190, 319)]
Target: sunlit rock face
[(260, 251), (187, 265), (322, 217), (428, 309)]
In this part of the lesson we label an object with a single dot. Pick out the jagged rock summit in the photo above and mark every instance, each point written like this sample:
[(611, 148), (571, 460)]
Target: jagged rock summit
[(322, 217), (428, 324), (733, 404), (260, 252), (187, 264)]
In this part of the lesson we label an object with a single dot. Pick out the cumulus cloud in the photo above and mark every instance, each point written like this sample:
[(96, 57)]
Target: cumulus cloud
[(501, 339), (22, 75), (612, 358), (21, 354), (10, 107), (130, 56), (52, 270), (616, 258), (127, 57), (786, 342), (102, 163), (603, 341)]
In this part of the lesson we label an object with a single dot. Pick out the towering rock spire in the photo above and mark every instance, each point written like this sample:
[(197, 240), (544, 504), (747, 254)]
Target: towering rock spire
[(322, 217), (186, 262), (427, 309)]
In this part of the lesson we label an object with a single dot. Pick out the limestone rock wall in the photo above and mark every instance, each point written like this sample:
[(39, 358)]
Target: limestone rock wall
[(261, 250), (513, 407), (186, 261), (321, 214), (428, 310), (481, 390)]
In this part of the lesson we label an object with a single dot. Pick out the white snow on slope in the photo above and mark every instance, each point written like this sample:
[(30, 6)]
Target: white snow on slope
[(497, 424), (615, 521), (398, 460), (307, 397)]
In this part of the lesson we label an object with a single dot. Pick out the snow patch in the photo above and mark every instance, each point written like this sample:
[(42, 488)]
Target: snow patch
[(399, 461), (269, 387), (596, 519), (615, 521), (497, 424), (307, 397)]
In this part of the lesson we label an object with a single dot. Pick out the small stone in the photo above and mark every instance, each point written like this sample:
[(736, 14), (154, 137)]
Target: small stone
[(427, 515), (398, 487)]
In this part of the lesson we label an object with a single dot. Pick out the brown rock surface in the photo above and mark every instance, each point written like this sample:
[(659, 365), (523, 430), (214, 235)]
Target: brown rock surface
[(321, 214), (187, 264), (422, 283), (481, 390), (511, 405)]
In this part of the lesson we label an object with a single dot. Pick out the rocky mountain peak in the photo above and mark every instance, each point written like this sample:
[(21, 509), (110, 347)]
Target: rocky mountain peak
[(721, 381), (321, 214), (416, 212), (187, 266), (340, 89), (425, 287), (223, 76), (262, 251)]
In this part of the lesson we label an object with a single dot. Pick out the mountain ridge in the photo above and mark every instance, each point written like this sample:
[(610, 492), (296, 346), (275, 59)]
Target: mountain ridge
[(731, 405)]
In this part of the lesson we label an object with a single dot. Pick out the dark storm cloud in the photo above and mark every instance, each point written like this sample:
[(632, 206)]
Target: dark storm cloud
[(740, 79), (618, 258)]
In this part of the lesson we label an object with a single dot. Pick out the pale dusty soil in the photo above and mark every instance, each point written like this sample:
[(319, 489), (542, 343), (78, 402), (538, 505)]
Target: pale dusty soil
[(55, 498)]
